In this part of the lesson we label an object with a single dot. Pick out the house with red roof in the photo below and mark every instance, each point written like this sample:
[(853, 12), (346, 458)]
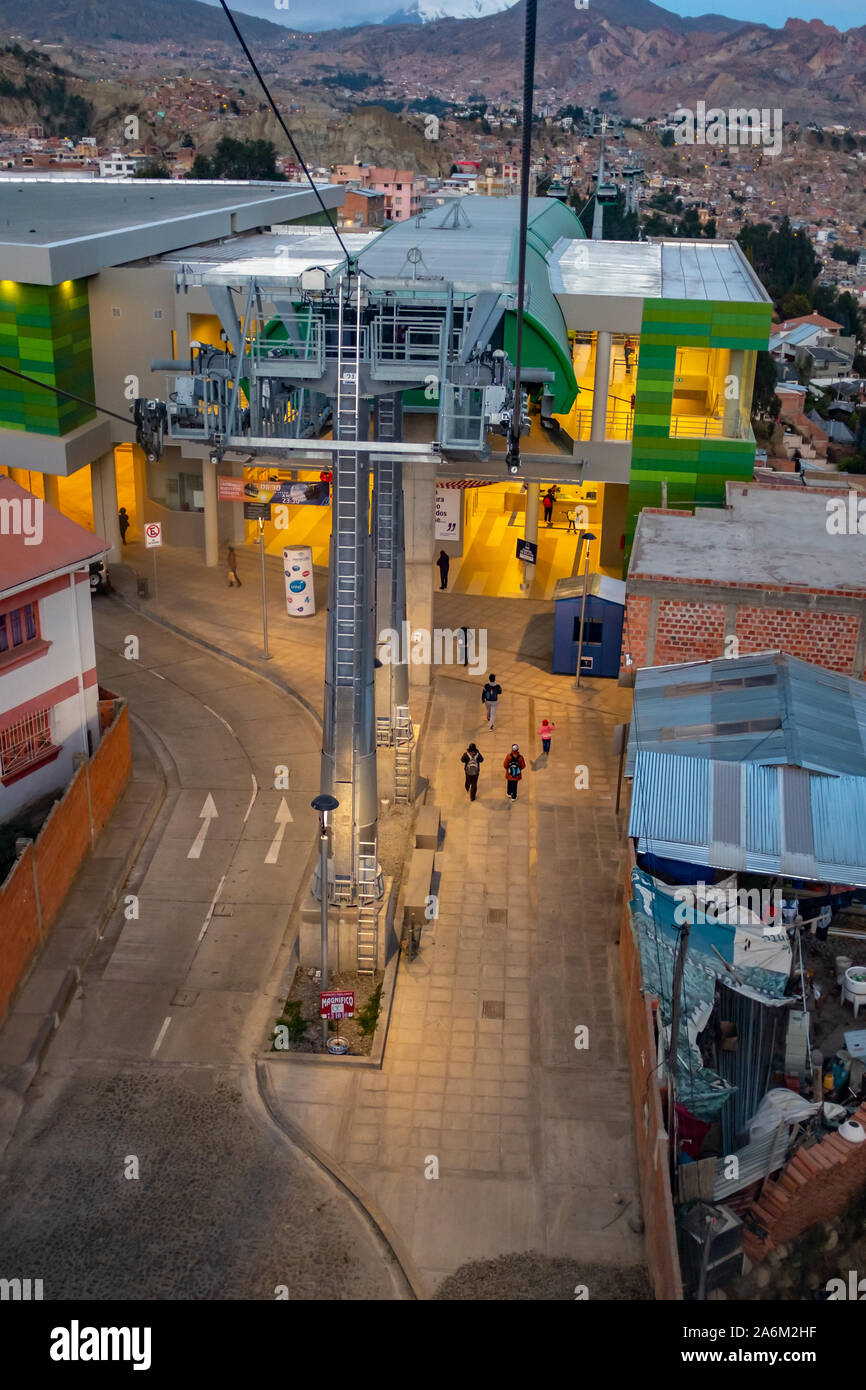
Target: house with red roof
[(48, 687)]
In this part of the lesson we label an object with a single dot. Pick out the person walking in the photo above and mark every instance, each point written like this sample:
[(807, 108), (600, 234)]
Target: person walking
[(547, 503), (232, 562), (123, 523), (514, 763), (472, 761), (628, 354), (572, 520), (444, 563), (545, 733), (490, 698)]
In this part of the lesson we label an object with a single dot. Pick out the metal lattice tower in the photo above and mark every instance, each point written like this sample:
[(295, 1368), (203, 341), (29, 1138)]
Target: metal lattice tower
[(392, 679), (348, 745)]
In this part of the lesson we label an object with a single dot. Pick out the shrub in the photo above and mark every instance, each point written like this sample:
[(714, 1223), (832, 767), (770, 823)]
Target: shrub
[(368, 1017)]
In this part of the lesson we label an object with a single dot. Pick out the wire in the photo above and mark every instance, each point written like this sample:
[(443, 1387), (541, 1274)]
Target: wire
[(513, 454), (261, 81), (70, 395)]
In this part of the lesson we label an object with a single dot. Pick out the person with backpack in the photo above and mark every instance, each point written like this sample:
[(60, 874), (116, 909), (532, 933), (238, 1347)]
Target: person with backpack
[(472, 761), (514, 763), (545, 733), (489, 699)]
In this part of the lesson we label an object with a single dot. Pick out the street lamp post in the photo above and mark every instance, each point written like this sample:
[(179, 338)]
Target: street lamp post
[(588, 537), (324, 804), (265, 653)]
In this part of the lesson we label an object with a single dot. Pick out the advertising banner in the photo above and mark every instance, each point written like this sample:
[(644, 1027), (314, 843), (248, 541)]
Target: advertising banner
[(448, 505), (289, 494)]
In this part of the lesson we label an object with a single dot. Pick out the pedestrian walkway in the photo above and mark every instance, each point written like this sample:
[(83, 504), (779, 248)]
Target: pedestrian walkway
[(531, 1137), (28, 1026), (482, 1081)]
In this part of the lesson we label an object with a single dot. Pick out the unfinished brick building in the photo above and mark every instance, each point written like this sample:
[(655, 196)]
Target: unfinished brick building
[(771, 571)]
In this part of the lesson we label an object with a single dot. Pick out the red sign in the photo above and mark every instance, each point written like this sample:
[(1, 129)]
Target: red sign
[(337, 1004)]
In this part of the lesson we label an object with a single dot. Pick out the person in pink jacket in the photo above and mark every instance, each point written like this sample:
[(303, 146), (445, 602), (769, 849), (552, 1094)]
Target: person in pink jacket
[(545, 733)]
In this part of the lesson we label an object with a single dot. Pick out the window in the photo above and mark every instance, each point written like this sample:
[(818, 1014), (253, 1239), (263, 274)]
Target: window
[(26, 743), (18, 626), (591, 632)]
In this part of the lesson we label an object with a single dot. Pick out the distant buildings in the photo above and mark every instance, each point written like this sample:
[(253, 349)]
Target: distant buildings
[(401, 188)]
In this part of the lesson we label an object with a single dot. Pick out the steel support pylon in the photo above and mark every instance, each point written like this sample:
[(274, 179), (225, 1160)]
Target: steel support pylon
[(348, 742), (392, 678)]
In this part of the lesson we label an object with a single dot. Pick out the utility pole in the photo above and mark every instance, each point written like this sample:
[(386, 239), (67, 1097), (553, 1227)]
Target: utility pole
[(587, 539), (265, 653)]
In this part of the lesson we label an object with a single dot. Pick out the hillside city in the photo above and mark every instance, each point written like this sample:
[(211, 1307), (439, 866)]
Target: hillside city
[(432, 668)]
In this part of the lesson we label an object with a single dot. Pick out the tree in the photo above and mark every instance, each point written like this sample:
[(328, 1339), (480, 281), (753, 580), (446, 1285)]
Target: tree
[(764, 399), (187, 143), (152, 169), (710, 229), (784, 260), (238, 159), (668, 139)]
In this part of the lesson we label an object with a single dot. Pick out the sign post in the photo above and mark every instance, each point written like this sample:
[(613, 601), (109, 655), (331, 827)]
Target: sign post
[(152, 541), (336, 1004)]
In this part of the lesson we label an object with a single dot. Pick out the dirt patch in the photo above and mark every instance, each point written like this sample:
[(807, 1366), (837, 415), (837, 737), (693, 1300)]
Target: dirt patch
[(531, 1276), (305, 992)]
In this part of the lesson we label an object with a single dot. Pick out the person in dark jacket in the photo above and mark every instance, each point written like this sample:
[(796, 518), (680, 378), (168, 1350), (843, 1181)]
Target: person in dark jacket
[(490, 699), (547, 502), (123, 523), (444, 563), (472, 761), (514, 763)]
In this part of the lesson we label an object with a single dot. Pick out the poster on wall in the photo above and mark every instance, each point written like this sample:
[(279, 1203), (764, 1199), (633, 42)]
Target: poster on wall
[(289, 494), (448, 501)]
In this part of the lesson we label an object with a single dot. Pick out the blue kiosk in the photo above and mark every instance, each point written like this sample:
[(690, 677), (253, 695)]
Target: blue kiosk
[(602, 638)]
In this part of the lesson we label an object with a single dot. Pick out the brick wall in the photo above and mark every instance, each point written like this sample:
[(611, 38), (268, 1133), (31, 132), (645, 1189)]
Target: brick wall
[(691, 630), (650, 1134), (57, 853), (19, 926), (817, 1184)]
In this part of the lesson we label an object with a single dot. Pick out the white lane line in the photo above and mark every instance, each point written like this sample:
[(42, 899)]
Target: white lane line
[(158, 676), (207, 919), (282, 819), (221, 720), (162, 1032), (252, 798)]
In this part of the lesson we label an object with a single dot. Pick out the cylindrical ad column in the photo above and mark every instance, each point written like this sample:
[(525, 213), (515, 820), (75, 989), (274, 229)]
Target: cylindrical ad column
[(300, 589)]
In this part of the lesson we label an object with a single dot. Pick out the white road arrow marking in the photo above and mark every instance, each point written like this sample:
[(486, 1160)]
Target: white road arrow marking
[(208, 813), (282, 818)]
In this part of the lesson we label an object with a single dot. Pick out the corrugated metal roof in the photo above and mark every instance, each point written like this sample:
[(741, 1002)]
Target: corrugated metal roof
[(600, 585), (767, 708), (706, 270), (715, 270), (754, 1161), (748, 817)]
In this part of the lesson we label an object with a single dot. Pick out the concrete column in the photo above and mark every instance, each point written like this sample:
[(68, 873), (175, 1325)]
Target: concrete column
[(211, 519), (600, 386), (419, 493), (52, 490), (733, 407), (139, 483), (103, 490), (530, 533)]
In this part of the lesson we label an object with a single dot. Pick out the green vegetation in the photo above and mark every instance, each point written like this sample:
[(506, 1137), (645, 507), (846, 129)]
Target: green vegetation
[(58, 110), (291, 1019), (152, 169), (619, 224), (353, 81), (764, 399), (238, 159), (368, 1017)]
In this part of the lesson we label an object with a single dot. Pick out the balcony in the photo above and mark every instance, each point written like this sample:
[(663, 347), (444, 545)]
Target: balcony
[(618, 425), (405, 348)]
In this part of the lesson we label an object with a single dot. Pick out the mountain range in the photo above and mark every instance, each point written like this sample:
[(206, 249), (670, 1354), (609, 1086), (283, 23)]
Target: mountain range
[(629, 54)]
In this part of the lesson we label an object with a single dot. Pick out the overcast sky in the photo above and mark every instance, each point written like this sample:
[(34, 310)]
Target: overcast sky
[(843, 14)]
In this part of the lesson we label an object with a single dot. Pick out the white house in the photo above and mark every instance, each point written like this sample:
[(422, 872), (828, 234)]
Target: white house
[(48, 687)]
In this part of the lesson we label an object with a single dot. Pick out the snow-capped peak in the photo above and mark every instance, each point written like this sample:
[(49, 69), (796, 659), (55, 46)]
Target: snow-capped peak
[(425, 11)]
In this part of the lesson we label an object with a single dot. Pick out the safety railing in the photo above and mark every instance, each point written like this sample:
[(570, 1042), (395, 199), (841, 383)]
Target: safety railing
[(709, 427), (406, 347), (618, 425), (300, 354)]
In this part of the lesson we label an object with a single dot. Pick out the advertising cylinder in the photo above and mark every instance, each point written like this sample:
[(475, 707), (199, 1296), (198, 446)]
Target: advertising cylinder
[(300, 591)]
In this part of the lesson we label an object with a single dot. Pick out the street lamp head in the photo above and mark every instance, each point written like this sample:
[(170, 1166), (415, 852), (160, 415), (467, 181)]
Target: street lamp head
[(324, 803)]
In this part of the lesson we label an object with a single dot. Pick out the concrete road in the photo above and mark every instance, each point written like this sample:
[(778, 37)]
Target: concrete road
[(144, 1165)]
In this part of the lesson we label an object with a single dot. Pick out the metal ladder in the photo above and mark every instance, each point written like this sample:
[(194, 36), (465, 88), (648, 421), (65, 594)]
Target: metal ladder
[(404, 738), (346, 505), (368, 912)]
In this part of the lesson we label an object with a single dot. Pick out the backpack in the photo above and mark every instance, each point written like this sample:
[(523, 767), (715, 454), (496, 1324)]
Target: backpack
[(473, 766), (513, 769)]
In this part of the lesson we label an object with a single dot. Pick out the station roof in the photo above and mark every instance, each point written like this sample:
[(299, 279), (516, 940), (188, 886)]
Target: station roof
[(269, 257), (55, 230), (764, 536), (695, 270)]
